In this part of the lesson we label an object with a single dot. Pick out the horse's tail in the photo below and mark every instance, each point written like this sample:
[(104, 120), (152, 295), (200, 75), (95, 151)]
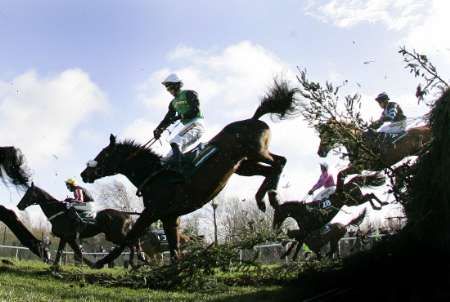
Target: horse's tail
[(371, 180), (279, 101), (13, 163)]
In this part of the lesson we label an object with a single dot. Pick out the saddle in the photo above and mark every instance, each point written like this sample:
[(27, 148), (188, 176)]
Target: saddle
[(81, 213), (379, 141), (191, 160)]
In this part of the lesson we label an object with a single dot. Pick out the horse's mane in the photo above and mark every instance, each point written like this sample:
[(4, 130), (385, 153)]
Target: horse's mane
[(47, 195), (130, 147)]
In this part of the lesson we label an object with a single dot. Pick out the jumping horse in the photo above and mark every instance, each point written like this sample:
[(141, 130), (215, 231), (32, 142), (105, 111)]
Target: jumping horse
[(242, 147), (366, 152), (311, 219)]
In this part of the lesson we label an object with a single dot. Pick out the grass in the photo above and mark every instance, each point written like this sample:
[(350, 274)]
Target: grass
[(33, 281)]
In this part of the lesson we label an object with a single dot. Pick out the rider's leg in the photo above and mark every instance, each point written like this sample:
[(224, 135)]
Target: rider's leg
[(76, 220), (176, 153), (190, 134)]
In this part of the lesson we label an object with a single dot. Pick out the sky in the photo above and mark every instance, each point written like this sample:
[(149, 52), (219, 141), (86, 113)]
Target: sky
[(72, 72)]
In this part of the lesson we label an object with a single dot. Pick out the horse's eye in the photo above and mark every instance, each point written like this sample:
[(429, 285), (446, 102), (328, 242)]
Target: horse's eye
[(92, 163)]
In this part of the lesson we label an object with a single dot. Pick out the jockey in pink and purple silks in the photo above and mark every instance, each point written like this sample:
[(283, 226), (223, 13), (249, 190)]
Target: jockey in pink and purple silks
[(326, 181)]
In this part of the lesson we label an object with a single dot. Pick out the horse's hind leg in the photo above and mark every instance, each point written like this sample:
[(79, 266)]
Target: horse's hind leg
[(271, 171), (251, 168), (132, 249)]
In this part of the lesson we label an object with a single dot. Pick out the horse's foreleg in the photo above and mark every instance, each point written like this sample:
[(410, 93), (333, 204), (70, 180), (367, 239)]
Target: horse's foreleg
[(340, 178), (78, 254), (145, 219), (62, 244), (170, 226), (141, 254), (132, 249), (289, 250), (371, 197), (297, 250)]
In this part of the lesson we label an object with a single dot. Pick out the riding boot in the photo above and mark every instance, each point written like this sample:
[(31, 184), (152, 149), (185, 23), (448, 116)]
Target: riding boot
[(176, 157), (76, 220), (176, 153)]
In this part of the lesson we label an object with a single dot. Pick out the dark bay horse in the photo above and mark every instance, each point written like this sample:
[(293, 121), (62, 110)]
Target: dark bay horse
[(242, 147), (114, 224), (12, 163), (311, 219), (365, 153)]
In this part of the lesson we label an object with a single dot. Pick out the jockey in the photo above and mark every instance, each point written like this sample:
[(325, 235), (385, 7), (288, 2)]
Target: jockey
[(391, 113), (79, 207), (185, 107), (80, 194), (326, 181)]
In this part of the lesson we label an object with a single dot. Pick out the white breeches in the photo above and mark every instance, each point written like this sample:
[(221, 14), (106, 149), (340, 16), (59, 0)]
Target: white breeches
[(188, 135), (325, 193), (394, 127)]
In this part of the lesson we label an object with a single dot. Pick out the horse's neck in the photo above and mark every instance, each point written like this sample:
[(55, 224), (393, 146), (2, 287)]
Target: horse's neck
[(352, 146), (49, 205), (296, 211), (137, 170)]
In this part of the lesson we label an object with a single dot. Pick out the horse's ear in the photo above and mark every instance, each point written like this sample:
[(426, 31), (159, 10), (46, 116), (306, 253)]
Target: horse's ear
[(112, 139), (32, 184)]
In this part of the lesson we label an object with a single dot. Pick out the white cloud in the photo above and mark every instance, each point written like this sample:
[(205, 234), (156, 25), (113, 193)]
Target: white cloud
[(39, 114), (395, 14), (432, 33), (238, 75)]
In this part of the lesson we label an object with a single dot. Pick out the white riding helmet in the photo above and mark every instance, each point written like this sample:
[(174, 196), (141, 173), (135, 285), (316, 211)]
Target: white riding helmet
[(171, 79)]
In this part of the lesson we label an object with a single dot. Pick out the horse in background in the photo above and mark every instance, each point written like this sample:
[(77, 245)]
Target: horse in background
[(364, 151), (154, 244), (113, 223), (312, 218), (330, 233), (13, 168), (242, 147)]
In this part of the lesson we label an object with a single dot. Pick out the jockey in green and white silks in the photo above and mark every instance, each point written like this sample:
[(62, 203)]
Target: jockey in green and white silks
[(185, 107), (392, 113)]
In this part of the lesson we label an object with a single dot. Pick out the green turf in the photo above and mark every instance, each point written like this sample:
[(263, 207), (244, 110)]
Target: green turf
[(33, 281)]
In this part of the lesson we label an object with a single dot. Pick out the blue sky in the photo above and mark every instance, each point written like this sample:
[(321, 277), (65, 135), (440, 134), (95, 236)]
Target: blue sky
[(72, 72)]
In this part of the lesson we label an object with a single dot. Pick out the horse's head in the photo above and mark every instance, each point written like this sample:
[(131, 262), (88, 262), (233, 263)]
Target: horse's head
[(106, 163), (281, 213), (327, 137), (29, 198), (119, 158)]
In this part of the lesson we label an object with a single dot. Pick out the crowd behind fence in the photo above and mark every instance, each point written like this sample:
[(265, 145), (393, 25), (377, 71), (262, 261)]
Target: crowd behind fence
[(270, 253)]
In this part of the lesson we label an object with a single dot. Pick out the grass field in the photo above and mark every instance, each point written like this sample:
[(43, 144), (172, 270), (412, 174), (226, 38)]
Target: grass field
[(33, 281)]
